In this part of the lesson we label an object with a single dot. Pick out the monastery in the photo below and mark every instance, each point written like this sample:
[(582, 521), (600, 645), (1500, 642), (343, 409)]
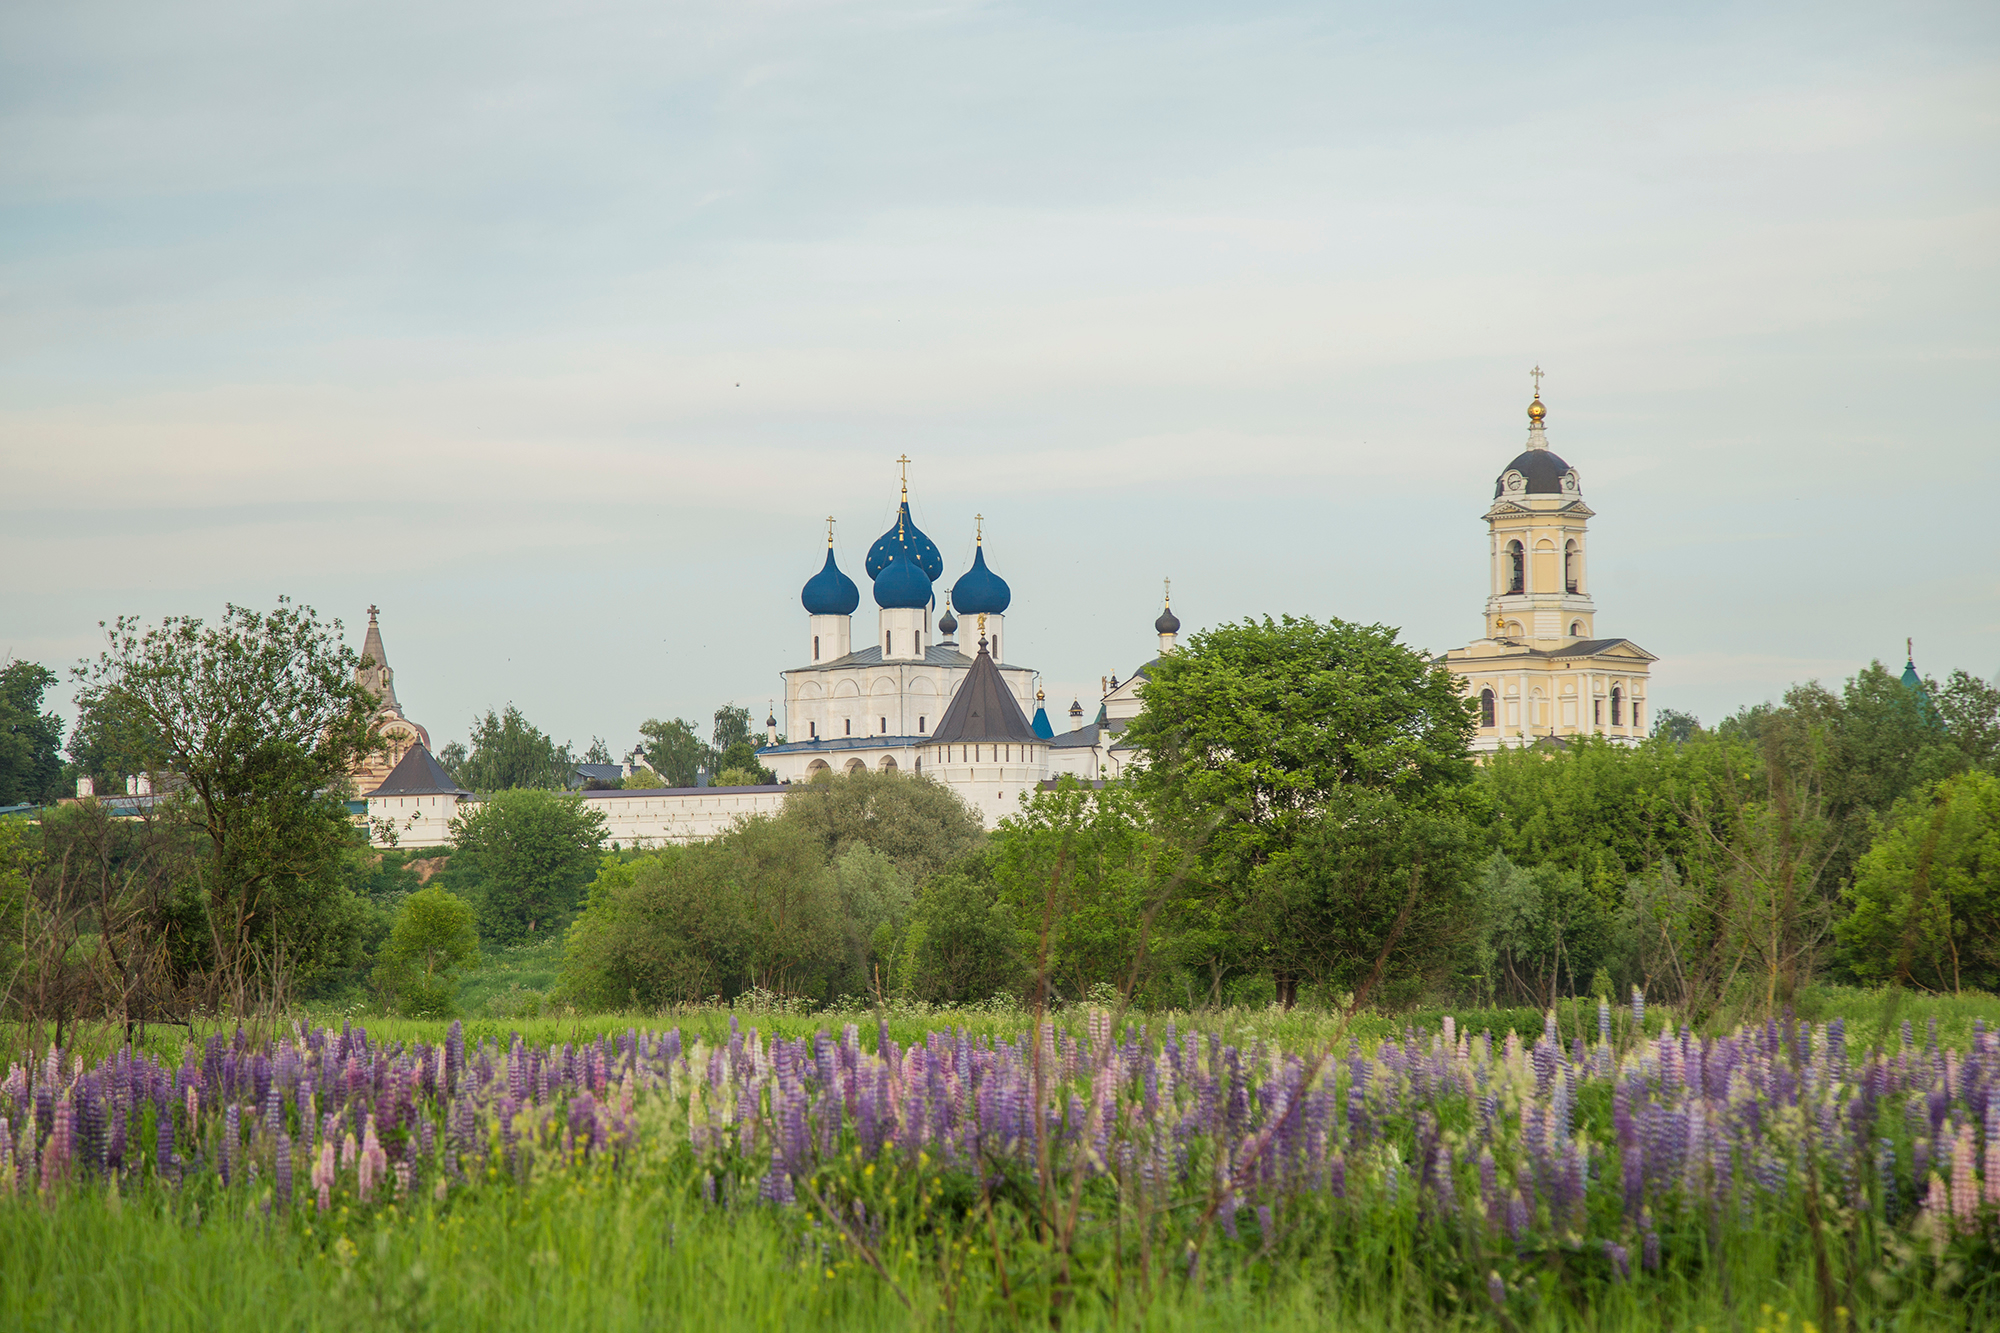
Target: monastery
[(931, 690)]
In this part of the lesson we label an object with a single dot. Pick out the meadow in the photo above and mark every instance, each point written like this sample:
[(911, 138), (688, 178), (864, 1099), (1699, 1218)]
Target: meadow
[(1592, 1167)]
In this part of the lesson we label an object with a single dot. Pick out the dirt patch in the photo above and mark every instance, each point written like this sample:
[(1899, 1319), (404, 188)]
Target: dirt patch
[(426, 867)]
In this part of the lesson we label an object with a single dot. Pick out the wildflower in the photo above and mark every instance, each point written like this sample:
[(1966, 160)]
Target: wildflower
[(1638, 1011)]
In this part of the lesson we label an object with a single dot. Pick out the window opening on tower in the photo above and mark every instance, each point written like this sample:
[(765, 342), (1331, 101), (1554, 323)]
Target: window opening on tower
[(1517, 562), (1486, 708)]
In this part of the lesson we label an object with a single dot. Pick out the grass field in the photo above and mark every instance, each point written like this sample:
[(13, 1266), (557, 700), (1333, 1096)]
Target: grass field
[(590, 1179)]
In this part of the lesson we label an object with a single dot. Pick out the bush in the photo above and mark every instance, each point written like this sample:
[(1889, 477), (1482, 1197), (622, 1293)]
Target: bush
[(536, 850), (433, 938)]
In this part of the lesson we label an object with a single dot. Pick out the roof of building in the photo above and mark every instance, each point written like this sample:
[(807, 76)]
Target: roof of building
[(979, 591), (902, 585), (935, 655), (830, 592), (1542, 469), (903, 535), (1168, 623), (984, 709), (417, 773), (601, 772), (825, 744), (622, 794), (1040, 723), (1101, 732), (1580, 648), (377, 678)]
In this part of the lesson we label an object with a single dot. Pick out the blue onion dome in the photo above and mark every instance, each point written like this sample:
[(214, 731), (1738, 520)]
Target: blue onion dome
[(1040, 726), (830, 592), (902, 584), (979, 591), (1168, 623), (948, 623), (904, 536)]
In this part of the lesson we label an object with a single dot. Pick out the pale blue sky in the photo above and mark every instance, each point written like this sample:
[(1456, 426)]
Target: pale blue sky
[(558, 330)]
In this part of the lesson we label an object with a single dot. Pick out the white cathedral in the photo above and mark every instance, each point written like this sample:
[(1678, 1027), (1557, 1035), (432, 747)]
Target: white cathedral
[(916, 699), (934, 694)]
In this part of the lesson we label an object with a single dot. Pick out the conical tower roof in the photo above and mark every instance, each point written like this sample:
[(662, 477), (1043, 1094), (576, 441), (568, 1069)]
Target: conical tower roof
[(983, 709), (418, 773), (378, 679)]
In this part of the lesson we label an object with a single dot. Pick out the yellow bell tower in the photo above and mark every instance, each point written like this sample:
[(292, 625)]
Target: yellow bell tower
[(1540, 670)]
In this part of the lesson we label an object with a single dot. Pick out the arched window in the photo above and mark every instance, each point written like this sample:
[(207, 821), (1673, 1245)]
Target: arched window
[(888, 641), (1486, 708), (849, 723), (815, 647), (921, 728), (1575, 628), (1517, 568), (1617, 707), (812, 731), (1572, 565), (885, 726)]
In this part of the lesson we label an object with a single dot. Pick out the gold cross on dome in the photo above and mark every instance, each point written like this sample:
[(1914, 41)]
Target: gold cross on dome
[(978, 529), (904, 464), (372, 612), (1537, 373), (1169, 597), (829, 529)]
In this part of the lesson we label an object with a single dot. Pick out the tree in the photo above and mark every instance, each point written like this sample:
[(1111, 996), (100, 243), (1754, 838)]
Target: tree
[(30, 739), (673, 750), (875, 901), (919, 824), (536, 849), (659, 929), (961, 944), (1250, 730), (258, 721), (732, 727), (1075, 869), (1675, 725), (1372, 897), (1545, 932), (1925, 902), (434, 938), (508, 753)]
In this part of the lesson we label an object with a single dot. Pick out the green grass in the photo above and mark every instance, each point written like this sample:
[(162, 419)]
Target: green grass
[(512, 981), (597, 1251)]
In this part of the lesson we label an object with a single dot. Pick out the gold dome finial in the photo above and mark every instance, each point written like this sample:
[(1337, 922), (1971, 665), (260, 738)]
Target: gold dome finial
[(1536, 412)]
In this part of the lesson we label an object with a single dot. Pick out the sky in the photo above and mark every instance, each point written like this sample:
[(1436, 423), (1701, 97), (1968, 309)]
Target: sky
[(557, 331)]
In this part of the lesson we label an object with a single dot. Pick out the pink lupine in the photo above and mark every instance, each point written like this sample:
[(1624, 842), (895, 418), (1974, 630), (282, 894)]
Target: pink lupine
[(350, 1151), (323, 1175), (374, 1162), (1964, 1184), (62, 1138)]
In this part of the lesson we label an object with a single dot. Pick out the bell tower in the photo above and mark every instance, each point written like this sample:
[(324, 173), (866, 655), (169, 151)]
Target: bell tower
[(1539, 543), (1539, 671)]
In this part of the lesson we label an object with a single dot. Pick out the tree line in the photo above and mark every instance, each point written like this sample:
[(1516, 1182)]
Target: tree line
[(1307, 823)]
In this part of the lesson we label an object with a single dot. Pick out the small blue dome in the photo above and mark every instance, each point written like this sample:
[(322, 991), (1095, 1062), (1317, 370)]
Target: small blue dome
[(1040, 726), (979, 591), (904, 536), (902, 584), (830, 592)]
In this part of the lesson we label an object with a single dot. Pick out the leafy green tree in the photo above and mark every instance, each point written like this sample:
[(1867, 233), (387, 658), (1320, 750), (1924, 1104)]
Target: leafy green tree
[(1925, 902), (434, 938), (919, 824), (1970, 711), (1075, 868), (673, 750), (644, 779), (1373, 897), (738, 767), (508, 752), (1674, 725), (1251, 729), (30, 739), (875, 903), (732, 727), (1546, 932), (1603, 810), (663, 928), (962, 943), (256, 721), (536, 850)]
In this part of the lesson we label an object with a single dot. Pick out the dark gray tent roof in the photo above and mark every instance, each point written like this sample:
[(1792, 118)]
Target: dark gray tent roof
[(418, 774), (984, 709)]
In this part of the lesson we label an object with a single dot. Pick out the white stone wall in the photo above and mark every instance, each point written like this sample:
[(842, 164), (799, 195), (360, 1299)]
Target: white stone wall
[(632, 819)]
